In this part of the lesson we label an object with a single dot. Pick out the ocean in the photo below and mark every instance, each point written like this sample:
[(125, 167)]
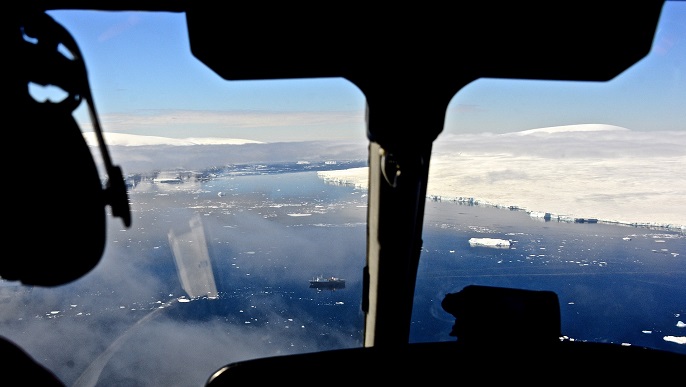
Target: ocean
[(614, 283), (258, 238)]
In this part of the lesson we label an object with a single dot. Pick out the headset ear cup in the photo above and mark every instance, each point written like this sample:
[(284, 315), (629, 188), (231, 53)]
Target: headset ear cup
[(62, 223)]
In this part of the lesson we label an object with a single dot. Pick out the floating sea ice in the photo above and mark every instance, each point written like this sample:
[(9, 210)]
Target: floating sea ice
[(490, 242)]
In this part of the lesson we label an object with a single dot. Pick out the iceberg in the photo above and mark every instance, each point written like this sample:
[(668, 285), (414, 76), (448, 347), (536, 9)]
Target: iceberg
[(490, 242), (542, 215)]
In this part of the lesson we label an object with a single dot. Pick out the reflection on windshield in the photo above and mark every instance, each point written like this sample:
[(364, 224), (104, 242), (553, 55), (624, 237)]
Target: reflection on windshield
[(193, 260)]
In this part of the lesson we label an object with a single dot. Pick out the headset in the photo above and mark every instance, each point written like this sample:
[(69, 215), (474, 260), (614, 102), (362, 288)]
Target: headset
[(57, 216)]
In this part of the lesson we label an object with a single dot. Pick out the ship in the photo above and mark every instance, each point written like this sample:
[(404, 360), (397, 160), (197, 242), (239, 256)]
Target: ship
[(321, 282)]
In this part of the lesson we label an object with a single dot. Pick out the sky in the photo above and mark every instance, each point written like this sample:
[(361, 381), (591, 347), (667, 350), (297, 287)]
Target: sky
[(145, 81)]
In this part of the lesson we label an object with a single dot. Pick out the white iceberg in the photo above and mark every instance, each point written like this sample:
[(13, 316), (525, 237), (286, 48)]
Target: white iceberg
[(542, 215), (490, 242)]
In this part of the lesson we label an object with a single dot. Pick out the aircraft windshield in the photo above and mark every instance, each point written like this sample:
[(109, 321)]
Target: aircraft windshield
[(249, 209)]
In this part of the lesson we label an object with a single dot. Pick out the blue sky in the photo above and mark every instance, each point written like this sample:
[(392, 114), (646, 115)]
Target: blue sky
[(145, 81)]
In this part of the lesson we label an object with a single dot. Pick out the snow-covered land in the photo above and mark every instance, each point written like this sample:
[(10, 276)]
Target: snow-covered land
[(589, 172), (595, 172)]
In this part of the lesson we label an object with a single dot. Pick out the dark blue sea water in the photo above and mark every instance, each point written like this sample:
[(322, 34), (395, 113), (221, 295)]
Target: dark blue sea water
[(614, 283), (267, 234)]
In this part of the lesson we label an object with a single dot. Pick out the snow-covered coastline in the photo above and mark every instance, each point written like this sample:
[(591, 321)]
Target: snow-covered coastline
[(572, 174), (576, 173), (358, 177)]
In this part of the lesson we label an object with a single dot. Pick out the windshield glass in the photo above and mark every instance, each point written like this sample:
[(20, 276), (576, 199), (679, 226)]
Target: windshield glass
[(234, 235), (572, 187), (249, 209)]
